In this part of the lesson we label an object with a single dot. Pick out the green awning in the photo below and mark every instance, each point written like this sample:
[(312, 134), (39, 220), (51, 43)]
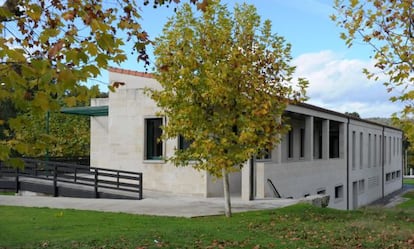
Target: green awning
[(94, 111)]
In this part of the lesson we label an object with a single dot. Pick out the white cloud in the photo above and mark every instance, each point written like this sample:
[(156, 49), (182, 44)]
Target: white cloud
[(338, 83)]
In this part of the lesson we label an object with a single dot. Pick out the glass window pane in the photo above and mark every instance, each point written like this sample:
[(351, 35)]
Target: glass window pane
[(153, 143)]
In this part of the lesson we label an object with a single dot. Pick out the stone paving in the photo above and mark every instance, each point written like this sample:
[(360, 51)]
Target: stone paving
[(156, 204)]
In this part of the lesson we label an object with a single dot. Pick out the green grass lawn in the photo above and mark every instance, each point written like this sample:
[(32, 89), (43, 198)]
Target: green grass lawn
[(7, 193), (409, 204), (299, 226), (408, 181)]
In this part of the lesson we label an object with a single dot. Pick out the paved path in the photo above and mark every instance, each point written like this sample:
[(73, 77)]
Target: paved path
[(178, 206), (394, 200), (159, 204)]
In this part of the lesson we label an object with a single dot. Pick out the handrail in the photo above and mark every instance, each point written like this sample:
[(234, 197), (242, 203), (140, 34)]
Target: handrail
[(272, 186), (57, 172)]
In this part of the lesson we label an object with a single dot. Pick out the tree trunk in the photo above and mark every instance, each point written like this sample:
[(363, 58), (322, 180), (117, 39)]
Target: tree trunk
[(226, 188)]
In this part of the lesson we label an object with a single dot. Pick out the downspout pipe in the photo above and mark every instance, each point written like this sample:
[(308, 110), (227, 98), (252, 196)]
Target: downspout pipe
[(403, 155), (383, 160), (251, 179), (347, 165)]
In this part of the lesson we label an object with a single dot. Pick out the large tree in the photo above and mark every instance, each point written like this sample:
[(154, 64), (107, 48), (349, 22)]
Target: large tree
[(49, 48), (387, 26), (226, 81)]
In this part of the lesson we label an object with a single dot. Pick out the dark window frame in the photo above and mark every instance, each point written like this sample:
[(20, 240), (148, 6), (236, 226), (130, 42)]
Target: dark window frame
[(339, 192), (266, 155), (290, 143), (361, 150), (353, 150), (317, 139), (334, 139), (183, 144), (154, 146), (302, 143)]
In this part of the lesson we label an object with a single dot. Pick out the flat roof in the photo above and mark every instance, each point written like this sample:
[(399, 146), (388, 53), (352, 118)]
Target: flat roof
[(91, 111), (317, 108)]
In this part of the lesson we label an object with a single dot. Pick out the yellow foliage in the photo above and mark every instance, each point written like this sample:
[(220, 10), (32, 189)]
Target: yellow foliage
[(54, 46), (216, 92), (387, 27)]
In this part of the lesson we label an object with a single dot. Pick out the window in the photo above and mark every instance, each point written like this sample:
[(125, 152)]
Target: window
[(385, 150), (361, 186), (339, 192), (183, 143), (393, 175), (321, 192), (290, 143), (375, 150), (302, 143), (398, 174), (334, 139), (264, 155), (369, 150), (380, 150), (317, 139), (393, 147), (353, 150), (398, 146), (153, 143), (388, 177), (389, 150), (361, 150)]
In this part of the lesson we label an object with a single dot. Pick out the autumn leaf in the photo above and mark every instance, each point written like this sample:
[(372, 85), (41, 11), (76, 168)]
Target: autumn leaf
[(117, 84), (55, 49), (203, 5), (68, 16)]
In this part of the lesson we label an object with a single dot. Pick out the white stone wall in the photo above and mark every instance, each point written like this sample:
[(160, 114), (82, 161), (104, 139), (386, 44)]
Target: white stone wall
[(298, 176), (367, 181), (393, 162), (118, 142), (364, 182), (99, 137), (297, 179), (365, 175), (215, 186)]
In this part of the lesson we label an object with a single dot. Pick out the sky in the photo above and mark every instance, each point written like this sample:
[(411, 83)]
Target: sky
[(333, 70)]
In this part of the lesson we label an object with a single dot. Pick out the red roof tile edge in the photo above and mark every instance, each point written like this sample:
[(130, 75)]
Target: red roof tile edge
[(130, 72)]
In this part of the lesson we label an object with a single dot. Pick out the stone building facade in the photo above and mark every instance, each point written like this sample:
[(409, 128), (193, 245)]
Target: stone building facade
[(354, 161)]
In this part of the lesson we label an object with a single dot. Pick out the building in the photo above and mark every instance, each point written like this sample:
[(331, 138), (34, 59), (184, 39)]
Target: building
[(354, 161)]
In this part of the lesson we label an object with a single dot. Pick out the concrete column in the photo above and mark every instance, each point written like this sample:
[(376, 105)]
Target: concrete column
[(277, 152), (309, 138), (245, 181), (325, 139), (260, 180)]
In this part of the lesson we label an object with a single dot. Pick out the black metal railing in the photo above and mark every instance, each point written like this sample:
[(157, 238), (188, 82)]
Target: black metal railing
[(56, 172)]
